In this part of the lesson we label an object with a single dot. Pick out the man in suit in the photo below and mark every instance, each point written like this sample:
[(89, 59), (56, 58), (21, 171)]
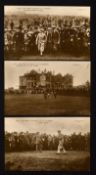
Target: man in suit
[(41, 40), (61, 143), (38, 142)]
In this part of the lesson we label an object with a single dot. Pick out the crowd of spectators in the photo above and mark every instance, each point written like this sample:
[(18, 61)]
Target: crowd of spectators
[(45, 35), (26, 141)]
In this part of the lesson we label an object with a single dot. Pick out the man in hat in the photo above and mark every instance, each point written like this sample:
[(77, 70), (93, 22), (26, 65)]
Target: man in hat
[(55, 39), (61, 143), (12, 25), (19, 41), (49, 40), (63, 37), (38, 142), (41, 40), (6, 43)]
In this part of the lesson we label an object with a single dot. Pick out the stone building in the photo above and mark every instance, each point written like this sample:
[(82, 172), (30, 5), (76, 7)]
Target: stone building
[(33, 82)]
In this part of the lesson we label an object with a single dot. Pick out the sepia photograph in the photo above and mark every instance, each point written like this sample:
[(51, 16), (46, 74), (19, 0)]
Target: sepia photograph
[(47, 144), (47, 33), (47, 88)]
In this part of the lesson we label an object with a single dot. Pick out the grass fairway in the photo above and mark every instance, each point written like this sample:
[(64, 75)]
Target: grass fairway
[(48, 161), (37, 105), (56, 57)]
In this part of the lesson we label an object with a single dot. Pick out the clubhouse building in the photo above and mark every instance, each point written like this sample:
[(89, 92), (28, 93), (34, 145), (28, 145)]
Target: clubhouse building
[(37, 82)]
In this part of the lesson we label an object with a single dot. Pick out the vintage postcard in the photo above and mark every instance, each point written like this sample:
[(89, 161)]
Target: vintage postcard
[(47, 144), (47, 33), (47, 88)]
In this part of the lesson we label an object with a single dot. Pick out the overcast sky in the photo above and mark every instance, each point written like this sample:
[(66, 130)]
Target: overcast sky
[(67, 125), (49, 10), (14, 69)]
